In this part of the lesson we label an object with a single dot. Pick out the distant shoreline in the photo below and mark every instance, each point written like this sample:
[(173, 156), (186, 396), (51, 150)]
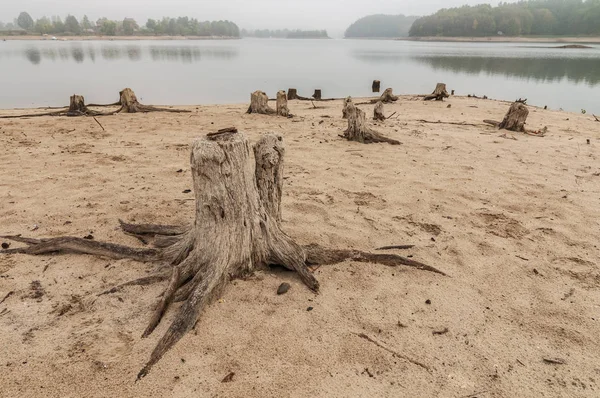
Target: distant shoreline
[(503, 39), (113, 38)]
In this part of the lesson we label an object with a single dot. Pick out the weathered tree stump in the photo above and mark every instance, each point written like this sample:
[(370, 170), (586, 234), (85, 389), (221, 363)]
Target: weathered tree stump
[(438, 94), (129, 104), (358, 130), (259, 103), (317, 94), (77, 107), (292, 94), (282, 107), (515, 118), (347, 101), (376, 86), (378, 112), (388, 96), (452, 93), (236, 231)]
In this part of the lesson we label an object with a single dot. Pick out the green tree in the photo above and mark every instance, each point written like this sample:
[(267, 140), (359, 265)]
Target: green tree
[(129, 27), (43, 26), (57, 25), (85, 23), (72, 25), (108, 28), (25, 21)]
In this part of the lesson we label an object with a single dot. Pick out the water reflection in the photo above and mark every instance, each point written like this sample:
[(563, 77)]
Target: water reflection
[(165, 53), (578, 70), (545, 68)]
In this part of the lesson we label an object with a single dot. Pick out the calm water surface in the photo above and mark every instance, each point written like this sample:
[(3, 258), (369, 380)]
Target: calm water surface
[(40, 73)]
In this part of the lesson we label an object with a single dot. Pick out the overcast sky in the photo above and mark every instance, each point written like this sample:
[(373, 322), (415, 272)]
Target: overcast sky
[(333, 15)]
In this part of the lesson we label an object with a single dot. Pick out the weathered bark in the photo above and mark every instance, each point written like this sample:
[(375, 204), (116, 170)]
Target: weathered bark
[(129, 104), (358, 130), (282, 107), (438, 94), (515, 118), (317, 94), (259, 103), (347, 101), (376, 86), (378, 112), (388, 96)]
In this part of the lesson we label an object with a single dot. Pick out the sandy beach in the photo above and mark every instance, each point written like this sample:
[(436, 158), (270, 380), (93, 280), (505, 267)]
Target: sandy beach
[(515, 223)]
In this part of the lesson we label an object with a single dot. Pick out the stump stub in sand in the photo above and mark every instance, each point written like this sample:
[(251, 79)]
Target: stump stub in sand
[(282, 104), (358, 129), (438, 94), (259, 103), (378, 112)]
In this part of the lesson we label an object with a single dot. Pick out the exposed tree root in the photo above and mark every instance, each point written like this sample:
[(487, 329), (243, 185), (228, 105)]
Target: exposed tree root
[(129, 104)]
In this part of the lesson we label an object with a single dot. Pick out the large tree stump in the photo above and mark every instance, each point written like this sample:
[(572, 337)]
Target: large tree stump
[(236, 231), (259, 103), (282, 106), (317, 95), (358, 130), (438, 94), (378, 112), (515, 117), (376, 86)]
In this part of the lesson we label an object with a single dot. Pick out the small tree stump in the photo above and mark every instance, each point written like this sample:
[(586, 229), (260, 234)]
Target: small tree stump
[(347, 101), (292, 94), (378, 112), (317, 94), (515, 118), (77, 105), (438, 94), (452, 93), (376, 86), (130, 104), (282, 107), (358, 130), (259, 103), (388, 96)]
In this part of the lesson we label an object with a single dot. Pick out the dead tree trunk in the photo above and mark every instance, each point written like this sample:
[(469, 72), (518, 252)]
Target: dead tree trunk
[(282, 107), (292, 94), (438, 94), (515, 118), (388, 96), (358, 130), (259, 103), (376, 86), (317, 94), (378, 112)]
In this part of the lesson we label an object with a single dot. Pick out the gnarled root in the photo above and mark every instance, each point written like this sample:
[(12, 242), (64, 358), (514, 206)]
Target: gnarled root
[(358, 129)]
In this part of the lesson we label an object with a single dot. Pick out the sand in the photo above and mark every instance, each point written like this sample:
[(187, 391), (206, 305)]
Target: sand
[(515, 224)]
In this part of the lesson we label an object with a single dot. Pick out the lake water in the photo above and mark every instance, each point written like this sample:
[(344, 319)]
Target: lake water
[(41, 73)]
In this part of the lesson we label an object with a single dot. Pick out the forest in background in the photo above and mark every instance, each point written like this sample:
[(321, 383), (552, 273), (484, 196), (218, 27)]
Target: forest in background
[(183, 26), (533, 17), (388, 26)]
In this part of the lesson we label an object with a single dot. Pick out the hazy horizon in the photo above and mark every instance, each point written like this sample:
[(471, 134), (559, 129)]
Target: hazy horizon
[(333, 15)]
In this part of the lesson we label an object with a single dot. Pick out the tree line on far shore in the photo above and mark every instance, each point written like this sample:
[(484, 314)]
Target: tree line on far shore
[(379, 26), (285, 34), (182, 26), (533, 17)]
